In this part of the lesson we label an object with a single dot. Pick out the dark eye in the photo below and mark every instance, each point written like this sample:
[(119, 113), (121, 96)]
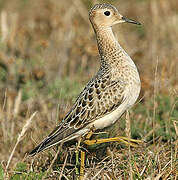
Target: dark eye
[(107, 13)]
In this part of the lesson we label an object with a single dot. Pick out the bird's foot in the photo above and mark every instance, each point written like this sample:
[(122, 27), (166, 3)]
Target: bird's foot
[(126, 140)]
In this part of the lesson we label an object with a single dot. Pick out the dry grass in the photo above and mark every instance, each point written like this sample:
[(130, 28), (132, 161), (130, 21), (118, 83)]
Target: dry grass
[(20, 137), (44, 53)]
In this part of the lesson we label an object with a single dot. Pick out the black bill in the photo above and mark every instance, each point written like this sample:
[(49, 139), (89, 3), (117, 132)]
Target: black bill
[(130, 21)]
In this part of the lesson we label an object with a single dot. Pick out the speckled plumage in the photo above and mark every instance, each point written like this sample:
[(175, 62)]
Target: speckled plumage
[(113, 90)]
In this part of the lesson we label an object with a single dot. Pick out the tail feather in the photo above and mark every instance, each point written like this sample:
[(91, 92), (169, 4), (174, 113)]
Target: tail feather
[(54, 138), (42, 146)]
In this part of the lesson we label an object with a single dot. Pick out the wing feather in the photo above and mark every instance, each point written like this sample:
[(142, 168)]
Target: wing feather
[(100, 96)]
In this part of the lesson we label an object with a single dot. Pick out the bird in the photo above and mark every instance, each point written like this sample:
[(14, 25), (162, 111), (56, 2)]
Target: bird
[(112, 91)]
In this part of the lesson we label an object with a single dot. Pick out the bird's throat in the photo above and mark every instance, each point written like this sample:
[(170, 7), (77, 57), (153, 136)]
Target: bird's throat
[(107, 43)]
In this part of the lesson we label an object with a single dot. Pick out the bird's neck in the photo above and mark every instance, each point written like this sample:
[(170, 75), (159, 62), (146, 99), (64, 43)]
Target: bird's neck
[(108, 46)]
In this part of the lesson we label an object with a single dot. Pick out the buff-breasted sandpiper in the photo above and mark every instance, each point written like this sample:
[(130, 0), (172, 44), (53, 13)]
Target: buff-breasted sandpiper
[(112, 91)]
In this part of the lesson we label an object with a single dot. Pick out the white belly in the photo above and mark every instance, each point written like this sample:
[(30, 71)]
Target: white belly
[(110, 118), (131, 96)]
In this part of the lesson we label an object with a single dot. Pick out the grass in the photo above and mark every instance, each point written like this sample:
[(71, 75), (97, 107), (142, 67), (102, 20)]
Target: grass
[(46, 59)]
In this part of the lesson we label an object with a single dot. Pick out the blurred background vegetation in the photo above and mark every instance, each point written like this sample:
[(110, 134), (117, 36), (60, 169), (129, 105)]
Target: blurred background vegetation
[(48, 53)]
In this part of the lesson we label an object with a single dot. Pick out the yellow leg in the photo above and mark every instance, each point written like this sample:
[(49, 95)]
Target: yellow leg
[(88, 136), (133, 142), (82, 165)]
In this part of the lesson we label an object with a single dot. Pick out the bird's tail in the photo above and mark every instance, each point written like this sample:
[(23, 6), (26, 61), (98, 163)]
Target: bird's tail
[(56, 137), (42, 146)]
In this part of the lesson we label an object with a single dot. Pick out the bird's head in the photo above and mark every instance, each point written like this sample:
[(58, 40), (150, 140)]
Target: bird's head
[(106, 15)]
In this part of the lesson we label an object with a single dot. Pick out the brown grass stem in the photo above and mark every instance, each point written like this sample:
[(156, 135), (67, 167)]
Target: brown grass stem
[(17, 103), (61, 174), (20, 137), (154, 99), (128, 133), (55, 157)]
